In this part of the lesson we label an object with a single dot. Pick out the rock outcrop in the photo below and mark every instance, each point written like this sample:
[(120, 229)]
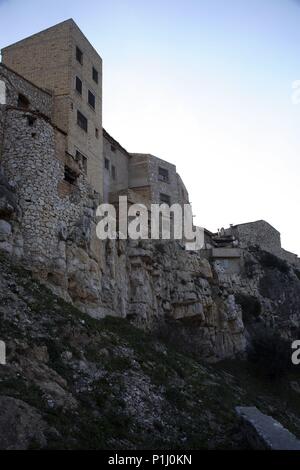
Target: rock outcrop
[(73, 382), (152, 282)]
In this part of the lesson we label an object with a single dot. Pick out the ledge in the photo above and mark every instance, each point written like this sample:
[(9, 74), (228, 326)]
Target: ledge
[(264, 432)]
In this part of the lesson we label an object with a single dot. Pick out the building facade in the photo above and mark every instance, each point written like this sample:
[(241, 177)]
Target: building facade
[(51, 187), (146, 178), (61, 60)]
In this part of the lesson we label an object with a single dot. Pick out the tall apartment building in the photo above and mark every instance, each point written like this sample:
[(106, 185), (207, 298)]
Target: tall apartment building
[(61, 60)]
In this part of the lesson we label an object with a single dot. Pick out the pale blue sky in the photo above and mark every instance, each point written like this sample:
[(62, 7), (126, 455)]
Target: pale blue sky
[(204, 84)]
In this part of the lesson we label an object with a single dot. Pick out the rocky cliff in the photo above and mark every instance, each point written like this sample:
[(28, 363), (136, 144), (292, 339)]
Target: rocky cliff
[(74, 382), (118, 344), (152, 283)]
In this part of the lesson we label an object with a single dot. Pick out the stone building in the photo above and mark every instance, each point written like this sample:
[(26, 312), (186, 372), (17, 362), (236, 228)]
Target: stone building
[(157, 179), (51, 197), (61, 60), (261, 233), (51, 181), (53, 174), (143, 177)]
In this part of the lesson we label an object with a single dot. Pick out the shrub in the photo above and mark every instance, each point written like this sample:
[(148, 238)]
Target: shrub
[(270, 354), (161, 248)]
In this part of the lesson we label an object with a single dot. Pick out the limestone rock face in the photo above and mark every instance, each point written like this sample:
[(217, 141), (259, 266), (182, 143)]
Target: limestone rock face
[(11, 239), (149, 282), (72, 382)]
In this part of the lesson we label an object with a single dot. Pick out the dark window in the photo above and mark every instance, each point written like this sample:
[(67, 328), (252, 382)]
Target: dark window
[(82, 121), (95, 75), (78, 156), (79, 85), (92, 100), (97, 133), (113, 172), (165, 199), (113, 148), (163, 174), (79, 55), (106, 163), (70, 175), (31, 120), (23, 102)]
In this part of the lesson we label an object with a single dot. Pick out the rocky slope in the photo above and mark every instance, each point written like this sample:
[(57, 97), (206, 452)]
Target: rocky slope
[(75, 382)]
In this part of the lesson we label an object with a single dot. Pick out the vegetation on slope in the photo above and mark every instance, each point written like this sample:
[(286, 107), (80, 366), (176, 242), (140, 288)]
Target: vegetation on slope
[(72, 382)]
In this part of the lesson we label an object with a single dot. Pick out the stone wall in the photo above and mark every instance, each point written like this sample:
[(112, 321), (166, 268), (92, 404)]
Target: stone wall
[(159, 186), (45, 220), (39, 100), (29, 162), (262, 234), (258, 233), (144, 172)]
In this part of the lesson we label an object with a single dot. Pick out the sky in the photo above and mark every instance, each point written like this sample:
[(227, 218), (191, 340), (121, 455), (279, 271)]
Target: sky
[(206, 85)]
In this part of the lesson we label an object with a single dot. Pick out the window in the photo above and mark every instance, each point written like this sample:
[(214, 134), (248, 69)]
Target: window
[(113, 172), (97, 133), (70, 175), (31, 120), (163, 174), (95, 75), (165, 199), (106, 163), (79, 55), (92, 100), (82, 121), (23, 102), (113, 148), (79, 85)]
